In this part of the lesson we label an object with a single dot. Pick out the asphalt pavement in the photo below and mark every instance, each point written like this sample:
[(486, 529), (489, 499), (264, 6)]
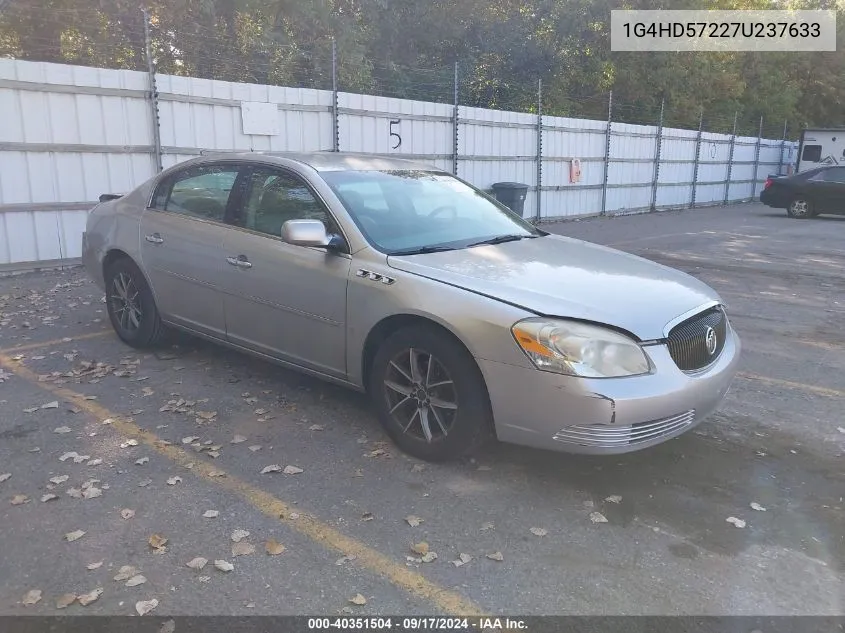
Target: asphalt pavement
[(158, 459)]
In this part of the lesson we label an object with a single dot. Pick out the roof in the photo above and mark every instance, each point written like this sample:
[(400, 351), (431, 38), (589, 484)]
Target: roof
[(331, 161)]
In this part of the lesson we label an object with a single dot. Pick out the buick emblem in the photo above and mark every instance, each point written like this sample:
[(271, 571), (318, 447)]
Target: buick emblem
[(711, 340)]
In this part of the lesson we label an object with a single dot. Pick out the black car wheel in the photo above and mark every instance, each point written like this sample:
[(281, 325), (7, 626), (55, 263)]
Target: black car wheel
[(429, 395), (800, 207), (131, 306)]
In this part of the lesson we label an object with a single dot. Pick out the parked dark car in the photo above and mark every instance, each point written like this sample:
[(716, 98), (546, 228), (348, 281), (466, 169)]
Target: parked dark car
[(806, 195)]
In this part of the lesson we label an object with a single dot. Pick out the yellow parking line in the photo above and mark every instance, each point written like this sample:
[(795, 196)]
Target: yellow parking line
[(58, 341), (822, 391), (307, 524)]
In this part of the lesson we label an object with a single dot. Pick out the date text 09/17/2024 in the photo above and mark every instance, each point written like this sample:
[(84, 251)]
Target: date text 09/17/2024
[(480, 624)]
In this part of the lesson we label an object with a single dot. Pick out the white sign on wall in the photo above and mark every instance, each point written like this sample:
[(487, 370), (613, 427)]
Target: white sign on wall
[(260, 118)]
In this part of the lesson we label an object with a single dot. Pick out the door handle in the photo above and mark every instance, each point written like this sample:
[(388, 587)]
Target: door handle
[(155, 238), (240, 261)]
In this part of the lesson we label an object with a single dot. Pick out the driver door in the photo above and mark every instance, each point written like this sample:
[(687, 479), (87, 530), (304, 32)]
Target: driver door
[(283, 300)]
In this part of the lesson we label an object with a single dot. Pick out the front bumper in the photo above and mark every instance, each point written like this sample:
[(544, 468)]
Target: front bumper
[(91, 261), (610, 415)]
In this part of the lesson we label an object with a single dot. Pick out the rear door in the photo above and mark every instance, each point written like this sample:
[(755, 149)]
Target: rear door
[(827, 188), (182, 244), (284, 300)]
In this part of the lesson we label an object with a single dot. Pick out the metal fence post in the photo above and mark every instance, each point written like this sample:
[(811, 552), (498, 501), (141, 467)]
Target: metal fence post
[(657, 151), (335, 111), (606, 154), (782, 147), (697, 158), (757, 160), (730, 162), (539, 148), (153, 94), (455, 126)]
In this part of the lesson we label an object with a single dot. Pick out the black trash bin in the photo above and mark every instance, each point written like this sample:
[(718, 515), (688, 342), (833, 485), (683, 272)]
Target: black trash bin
[(512, 195)]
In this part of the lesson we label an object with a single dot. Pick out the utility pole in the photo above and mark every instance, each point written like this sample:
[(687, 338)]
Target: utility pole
[(153, 92)]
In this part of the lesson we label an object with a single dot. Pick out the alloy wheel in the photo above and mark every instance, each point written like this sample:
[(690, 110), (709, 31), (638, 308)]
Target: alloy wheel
[(421, 395), (125, 302), (800, 208)]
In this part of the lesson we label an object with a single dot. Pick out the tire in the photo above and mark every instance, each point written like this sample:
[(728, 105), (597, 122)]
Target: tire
[(139, 326), (452, 379), (801, 208)]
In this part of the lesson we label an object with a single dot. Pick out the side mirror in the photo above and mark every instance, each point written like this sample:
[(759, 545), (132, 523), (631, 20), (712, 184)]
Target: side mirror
[(310, 233)]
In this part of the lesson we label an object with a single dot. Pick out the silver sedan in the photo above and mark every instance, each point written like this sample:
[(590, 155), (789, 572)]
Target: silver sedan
[(459, 319)]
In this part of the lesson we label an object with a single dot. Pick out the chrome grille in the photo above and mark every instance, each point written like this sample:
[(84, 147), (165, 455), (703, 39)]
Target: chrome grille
[(609, 436), (688, 340)]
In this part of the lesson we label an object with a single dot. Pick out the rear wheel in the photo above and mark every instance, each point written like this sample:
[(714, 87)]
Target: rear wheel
[(429, 395), (131, 306), (800, 207)]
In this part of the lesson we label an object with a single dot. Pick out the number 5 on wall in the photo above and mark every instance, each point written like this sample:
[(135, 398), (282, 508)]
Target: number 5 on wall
[(395, 134)]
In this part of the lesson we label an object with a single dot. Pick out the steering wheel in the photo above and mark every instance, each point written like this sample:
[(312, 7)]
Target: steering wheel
[(444, 209)]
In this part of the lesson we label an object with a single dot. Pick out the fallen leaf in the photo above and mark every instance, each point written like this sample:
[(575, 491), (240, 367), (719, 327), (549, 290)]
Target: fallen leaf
[(157, 541), (841, 429), (92, 493), (243, 548), (214, 454), (238, 439), (65, 600), (210, 514), (4, 477), (239, 535), (358, 599), (207, 415), (48, 497), (51, 405), (260, 411), (60, 479), (197, 563), (136, 580), (412, 520), (76, 493), (142, 461), (31, 597), (87, 598), (613, 499), (316, 427), (255, 447), (147, 392), (487, 526), (376, 453), (73, 536), (420, 548), (417, 468), (203, 578), (272, 468), (77, 458), (93, 566), (144, 483), (172, 481), (428, 558), (292, 470), (19, 500), (215, 473), (31, 410), (736, 522), (757, 506), (129, 443), (143, 607), (190, 439), (462, 560), (597, 517), (95, 462), (62, 430), (497, 556), (367, 516), (273, 547), (126, 513), (345, 559), (125, 572), (538, 531), (223, 565)]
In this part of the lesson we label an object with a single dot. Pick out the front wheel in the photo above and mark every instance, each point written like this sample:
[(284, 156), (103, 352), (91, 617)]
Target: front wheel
[(429, 395), (800, 207), (131, 306)]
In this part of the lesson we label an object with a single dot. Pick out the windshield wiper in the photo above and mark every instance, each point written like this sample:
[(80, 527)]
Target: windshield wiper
[(422, 250), (501, 239)]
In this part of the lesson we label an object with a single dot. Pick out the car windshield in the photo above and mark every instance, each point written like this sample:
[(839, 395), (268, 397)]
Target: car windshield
[(415, 211)]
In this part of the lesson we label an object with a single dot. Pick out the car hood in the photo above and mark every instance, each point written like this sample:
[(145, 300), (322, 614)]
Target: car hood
[(564, 277)]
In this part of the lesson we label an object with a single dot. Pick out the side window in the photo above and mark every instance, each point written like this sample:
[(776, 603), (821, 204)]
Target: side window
[(837, 174), (201, 192), (812, 153), (274, 197)]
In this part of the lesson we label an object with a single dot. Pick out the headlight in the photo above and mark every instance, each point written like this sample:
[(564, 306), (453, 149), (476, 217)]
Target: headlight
[(577, 349)]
